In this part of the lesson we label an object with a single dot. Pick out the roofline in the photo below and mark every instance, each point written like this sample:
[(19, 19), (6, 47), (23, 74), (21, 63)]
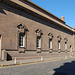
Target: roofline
[(17, 6), (47, 12), (43, 10)]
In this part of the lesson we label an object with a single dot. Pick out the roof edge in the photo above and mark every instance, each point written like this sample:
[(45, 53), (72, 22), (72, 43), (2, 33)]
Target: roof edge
[(42, 9), (64, 25)]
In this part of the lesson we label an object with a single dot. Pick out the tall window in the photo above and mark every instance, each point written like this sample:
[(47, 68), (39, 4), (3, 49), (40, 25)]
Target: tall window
[(21, 39), (50, 43), (38, 42), (58, 44), (65, 45)]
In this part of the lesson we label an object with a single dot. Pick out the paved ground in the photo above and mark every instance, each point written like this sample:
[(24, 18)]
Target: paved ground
[(28, 60), (61, 67)]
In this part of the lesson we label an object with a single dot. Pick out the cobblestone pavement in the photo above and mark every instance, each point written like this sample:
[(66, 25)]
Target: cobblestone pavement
[(61, 67)]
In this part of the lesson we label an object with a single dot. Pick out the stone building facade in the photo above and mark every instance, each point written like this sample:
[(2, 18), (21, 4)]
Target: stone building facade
[(29, 31)]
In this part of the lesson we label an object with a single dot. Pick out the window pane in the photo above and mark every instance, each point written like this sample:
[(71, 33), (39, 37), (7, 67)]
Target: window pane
[(65, 45), (58, 44), (50, 43), (38, 42), (21, 39)]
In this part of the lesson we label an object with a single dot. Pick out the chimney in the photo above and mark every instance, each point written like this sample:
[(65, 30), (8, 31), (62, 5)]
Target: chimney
[(62, 18), (74, 27)]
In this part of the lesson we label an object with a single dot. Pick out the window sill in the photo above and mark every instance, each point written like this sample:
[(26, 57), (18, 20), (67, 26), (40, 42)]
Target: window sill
[(50, 49), (38, 48), (21, 47)]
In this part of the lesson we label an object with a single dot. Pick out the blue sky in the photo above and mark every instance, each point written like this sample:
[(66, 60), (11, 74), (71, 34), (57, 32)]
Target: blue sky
[(59, 8)]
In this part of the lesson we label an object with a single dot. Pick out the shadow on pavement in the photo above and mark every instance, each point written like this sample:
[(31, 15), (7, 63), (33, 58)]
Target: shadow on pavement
[(66, 69)]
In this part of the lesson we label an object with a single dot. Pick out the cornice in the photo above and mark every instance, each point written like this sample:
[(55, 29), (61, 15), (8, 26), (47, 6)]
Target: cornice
[(21, 8), (42, 10)]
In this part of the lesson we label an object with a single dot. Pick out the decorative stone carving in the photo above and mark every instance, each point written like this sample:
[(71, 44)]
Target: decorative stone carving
[(65, 39), (59, 51), (21, 28), (39, 50), (38, 32), (59, 38), (50, 51), (50, 35)]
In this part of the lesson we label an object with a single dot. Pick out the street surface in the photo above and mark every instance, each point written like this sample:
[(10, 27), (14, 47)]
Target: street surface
[(61, 67)]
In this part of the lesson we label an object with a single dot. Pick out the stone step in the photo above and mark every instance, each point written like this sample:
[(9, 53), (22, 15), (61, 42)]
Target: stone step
[(37, 57)]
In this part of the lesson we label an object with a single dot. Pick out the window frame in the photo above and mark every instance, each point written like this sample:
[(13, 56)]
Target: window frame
[(38, 41), (50, 43), (65, 45), (21, 41), (59, 45)]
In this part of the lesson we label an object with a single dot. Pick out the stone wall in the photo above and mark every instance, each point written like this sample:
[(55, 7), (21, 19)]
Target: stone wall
[(10, 18)]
